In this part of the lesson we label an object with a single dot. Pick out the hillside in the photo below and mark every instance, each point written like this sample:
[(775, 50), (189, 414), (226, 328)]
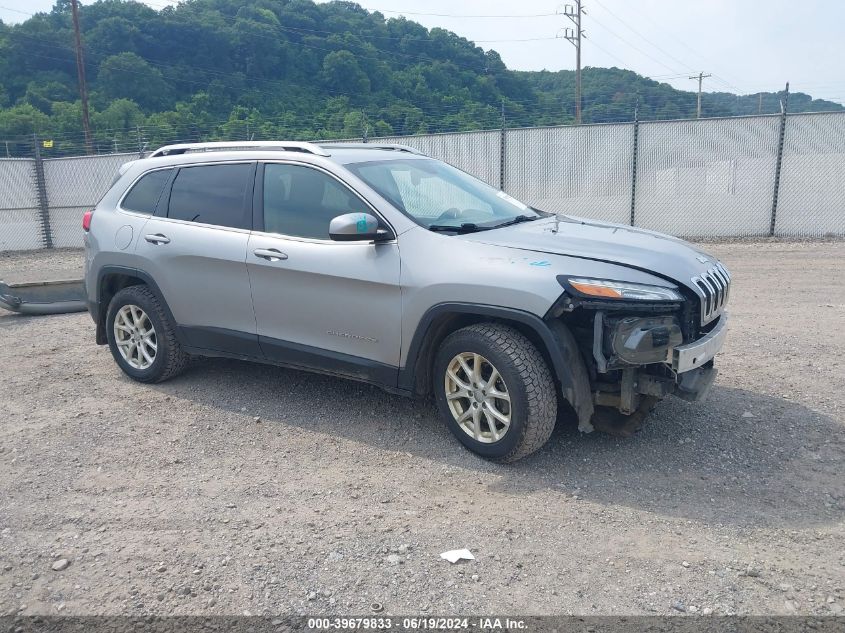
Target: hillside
[(611, 94), (293, 69)]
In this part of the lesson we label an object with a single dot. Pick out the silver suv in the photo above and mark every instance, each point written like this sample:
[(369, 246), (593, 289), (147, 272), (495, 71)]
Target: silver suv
[(376, 263)]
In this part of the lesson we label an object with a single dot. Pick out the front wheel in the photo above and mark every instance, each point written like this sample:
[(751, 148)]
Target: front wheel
[(495, 391)]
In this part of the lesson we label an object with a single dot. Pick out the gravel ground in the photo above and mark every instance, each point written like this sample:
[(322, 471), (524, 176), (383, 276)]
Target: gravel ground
[(244, 488), (26, 266)]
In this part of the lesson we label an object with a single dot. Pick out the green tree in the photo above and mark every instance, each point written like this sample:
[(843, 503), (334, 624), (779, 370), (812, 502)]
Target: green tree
[(22, 121), (342, 75), (128, 76), (42, 95)]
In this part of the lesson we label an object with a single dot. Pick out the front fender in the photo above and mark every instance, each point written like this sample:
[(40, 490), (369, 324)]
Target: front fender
[(554, 339)]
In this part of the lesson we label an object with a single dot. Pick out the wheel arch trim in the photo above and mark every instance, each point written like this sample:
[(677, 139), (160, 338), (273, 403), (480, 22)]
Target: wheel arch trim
[(128, 271), (558, 343)]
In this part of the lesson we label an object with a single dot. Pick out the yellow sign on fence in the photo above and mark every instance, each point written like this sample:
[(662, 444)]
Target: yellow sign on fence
[(47, 144)]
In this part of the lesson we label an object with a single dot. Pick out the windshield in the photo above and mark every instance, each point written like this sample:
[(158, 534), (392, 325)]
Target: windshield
[(440, 197)]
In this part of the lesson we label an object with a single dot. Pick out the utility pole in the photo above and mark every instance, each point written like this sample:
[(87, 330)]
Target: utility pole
[(80, 73), (700, 77), (574, 36)]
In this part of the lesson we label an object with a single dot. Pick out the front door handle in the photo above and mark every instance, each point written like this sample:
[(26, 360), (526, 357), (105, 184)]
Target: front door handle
[(270, 254), (158, 238)]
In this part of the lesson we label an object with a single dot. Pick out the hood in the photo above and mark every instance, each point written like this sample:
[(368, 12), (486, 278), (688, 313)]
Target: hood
[(657, 253)]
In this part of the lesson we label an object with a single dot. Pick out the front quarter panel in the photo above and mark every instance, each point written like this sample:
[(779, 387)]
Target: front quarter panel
[(439, 269)]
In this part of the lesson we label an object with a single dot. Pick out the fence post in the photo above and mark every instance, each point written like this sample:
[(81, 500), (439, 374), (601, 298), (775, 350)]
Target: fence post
[(634, 164), (502, 159), (41, 188), (502, 150), (783, 108)]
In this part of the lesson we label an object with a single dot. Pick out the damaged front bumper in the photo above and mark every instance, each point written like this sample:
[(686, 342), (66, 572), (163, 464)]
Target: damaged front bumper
[(693, 363), (693, 355), (687, 373)]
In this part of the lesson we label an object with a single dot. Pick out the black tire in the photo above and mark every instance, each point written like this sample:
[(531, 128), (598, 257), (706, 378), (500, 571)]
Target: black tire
[(533, 397), (170, 360)]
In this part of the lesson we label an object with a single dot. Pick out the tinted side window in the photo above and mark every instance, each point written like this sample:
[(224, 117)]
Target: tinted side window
[(212, 194), (145, 193), (301, 201)]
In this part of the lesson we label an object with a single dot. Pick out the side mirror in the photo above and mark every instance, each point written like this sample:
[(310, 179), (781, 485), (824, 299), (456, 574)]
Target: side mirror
[(356, 227)]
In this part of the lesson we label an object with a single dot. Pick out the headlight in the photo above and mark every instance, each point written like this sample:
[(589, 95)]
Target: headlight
[(606, 289)]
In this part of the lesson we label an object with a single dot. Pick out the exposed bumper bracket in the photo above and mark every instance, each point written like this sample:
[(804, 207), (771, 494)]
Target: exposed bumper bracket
[(697, 353)]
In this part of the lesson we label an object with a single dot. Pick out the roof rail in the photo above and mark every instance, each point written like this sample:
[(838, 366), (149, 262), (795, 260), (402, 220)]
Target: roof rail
[(388, 146), (291, 146)]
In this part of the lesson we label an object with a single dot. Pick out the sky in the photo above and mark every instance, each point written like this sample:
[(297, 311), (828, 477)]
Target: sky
[(747, 46)]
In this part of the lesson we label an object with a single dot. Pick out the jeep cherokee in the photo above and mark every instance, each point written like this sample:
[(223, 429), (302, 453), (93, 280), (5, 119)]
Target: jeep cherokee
[(377, 263)]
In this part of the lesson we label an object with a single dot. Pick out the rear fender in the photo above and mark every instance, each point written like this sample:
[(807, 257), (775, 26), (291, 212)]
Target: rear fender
[(101, 307)]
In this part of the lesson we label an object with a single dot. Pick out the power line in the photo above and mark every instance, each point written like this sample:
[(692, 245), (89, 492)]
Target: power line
[(461, 16), (542, 106), (532, 106), (347, 44), (532, 109), (17, 11), (630, 28), (235, 76), (634, 46), (641, 36)]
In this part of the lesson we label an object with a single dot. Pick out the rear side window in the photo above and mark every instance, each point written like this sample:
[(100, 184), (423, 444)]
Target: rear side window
[(145, 193), (212, 194)]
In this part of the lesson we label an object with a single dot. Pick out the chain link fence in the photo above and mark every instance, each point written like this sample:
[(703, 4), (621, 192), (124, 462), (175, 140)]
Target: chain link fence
[(584, 170), (811, 200), (709, 178), (477, 153), (73, 186), (20, 220)]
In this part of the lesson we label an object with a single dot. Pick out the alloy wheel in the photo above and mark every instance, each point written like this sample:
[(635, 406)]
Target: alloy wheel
[(135, 337), (478, 397)]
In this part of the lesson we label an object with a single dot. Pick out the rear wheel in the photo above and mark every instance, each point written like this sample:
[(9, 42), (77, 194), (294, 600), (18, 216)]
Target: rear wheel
[(495, 392), (141, 337)]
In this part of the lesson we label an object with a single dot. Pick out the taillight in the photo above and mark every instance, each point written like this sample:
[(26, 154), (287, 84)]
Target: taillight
[(86, 220)]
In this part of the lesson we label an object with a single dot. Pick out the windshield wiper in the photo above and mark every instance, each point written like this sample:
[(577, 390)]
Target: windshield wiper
[(518, 219), (472, 227), (466, 227)]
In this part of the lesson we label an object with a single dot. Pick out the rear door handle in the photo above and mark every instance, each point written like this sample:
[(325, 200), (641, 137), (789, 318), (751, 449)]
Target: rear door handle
[(158, 238), (270, 254)]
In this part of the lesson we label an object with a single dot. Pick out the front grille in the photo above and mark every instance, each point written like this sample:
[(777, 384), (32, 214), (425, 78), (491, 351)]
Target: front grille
[(713, 289)]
